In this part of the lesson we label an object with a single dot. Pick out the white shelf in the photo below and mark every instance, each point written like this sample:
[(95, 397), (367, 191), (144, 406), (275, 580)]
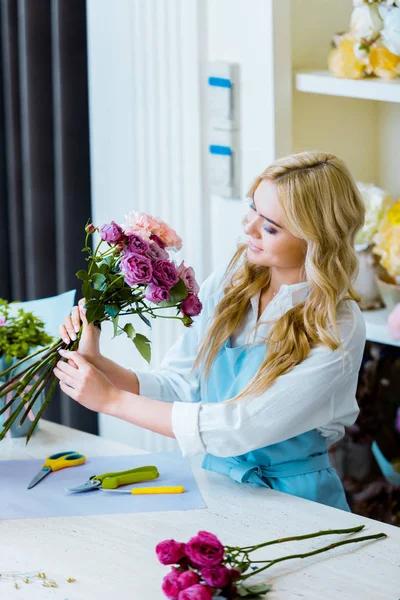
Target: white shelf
[(377, 330), (371, 88)]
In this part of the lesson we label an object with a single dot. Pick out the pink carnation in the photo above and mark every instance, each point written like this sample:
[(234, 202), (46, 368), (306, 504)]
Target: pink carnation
[(148, 226), (394, 323)]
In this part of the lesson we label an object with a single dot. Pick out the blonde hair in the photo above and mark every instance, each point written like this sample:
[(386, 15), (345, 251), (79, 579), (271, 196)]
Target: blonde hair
[(322, 205)]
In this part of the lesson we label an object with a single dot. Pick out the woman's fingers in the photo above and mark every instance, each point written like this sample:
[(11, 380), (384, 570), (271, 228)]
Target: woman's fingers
[(64, 334), (76, 319), (70, 328), (82, 310)]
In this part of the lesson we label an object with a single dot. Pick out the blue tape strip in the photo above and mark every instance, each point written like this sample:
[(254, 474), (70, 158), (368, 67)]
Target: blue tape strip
[(220, 82), (224, 150)]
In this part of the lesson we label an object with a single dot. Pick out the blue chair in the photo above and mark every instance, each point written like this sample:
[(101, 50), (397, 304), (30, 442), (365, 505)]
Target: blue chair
[(52, 312)]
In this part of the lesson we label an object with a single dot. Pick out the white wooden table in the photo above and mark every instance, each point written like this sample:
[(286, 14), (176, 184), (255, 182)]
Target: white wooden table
[(112, 556)]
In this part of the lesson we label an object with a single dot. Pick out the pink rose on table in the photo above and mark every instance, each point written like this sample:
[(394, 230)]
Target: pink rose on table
[(169, 552), (205, 549), (191, 306), (156, 252), (156, 293), (394, 323), (217, 576), (196, 592), (137, 244), (136, 268), (165, 273), (187, 579), (170, 585), (111, 232), (188, 277)]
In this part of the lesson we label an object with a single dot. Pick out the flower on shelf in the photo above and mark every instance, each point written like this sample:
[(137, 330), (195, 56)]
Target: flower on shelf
[(372, 44), (377, 202), (129, 273), (387, 243), (205, 569)]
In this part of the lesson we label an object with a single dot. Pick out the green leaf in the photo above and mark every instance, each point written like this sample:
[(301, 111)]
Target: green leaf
[(98, 280), (178, 293), (115, 324), (95, 310), (144, 319), (87, 291), (112, 310), (82, 275), (248, 590), (130, 330), (143, 345)]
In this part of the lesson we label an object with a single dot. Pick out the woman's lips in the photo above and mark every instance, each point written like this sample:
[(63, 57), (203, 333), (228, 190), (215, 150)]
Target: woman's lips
[(254, 248)]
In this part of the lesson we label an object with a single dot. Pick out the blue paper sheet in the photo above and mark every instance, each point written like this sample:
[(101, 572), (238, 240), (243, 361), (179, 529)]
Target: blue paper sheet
[(49, 498)]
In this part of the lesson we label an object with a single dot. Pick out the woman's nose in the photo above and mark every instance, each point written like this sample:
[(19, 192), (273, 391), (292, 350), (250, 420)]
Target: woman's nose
[(253, 227)]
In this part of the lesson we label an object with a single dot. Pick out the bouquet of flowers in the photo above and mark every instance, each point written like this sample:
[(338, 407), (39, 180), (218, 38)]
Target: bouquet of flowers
[(205, 569), (377, 202), (372, 46), (387, 243), (129, 273)]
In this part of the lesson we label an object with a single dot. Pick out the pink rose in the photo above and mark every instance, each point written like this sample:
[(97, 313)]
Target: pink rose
[(111, 232), (191, 306), (170, 585), (156, 293), (205, 549), (169, 552), (218, 576), (157, 252), (90, 228), (196, 592), (137, 244), (394, 323), (165, 273), (136, 268), (187, 579), (188, 277)]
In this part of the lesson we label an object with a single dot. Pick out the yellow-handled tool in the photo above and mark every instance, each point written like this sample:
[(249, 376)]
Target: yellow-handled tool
[(174, 489)]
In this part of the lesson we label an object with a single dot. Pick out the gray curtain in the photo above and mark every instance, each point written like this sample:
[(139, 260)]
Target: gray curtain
[(44, 158)]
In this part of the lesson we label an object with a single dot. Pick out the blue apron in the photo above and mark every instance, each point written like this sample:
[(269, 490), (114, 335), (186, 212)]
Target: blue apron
[(298, 466)]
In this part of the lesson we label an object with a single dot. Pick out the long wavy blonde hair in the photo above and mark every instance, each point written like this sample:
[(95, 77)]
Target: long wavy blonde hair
[(322, 206)]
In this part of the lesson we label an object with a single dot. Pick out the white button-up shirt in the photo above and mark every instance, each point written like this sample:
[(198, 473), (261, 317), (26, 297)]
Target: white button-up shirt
[(318, 393)]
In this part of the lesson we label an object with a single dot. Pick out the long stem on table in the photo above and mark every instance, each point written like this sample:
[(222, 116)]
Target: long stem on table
[(378, 536), (300, 537)]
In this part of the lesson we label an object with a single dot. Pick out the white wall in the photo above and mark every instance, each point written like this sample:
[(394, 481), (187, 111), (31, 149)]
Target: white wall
[(146, 144), (246, 32)]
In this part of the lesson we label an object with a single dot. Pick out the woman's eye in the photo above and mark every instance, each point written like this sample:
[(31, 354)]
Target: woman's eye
[(269, 230)]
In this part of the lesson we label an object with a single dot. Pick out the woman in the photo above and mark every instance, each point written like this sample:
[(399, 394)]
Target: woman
[(265, 379)]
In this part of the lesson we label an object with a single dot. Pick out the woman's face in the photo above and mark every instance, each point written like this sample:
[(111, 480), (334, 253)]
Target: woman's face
[(270, 243)]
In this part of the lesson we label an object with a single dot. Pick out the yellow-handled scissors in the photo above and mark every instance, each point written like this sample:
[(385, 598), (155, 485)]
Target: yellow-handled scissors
[(55, 462)]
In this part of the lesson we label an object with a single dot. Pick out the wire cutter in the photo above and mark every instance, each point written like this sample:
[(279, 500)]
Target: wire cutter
[(111, 481)]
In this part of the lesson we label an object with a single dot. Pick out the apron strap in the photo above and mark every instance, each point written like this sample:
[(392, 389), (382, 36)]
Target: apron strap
[(244, 471)]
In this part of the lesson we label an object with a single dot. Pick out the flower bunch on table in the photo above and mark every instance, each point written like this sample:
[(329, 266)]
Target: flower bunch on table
[(372, 45), (205, 569), (129, 273)]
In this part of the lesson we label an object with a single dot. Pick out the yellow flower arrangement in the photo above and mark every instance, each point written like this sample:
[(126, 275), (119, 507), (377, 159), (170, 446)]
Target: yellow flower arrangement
[(343, 62), (387, 242), (384, 63)]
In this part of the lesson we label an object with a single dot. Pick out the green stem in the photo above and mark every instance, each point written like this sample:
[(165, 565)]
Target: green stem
[(42, 382), (42, 409), (50, 347), (378, 536), (300, 537), (95, 252)]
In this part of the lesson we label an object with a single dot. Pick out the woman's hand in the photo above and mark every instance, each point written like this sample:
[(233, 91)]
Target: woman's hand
[(80, 380), (89, 344)]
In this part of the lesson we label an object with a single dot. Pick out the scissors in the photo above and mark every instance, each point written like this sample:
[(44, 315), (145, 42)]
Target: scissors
[(55, 462), (111, 481)]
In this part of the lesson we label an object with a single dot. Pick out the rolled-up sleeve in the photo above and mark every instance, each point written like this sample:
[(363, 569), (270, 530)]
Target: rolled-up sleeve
[(303, 399)]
